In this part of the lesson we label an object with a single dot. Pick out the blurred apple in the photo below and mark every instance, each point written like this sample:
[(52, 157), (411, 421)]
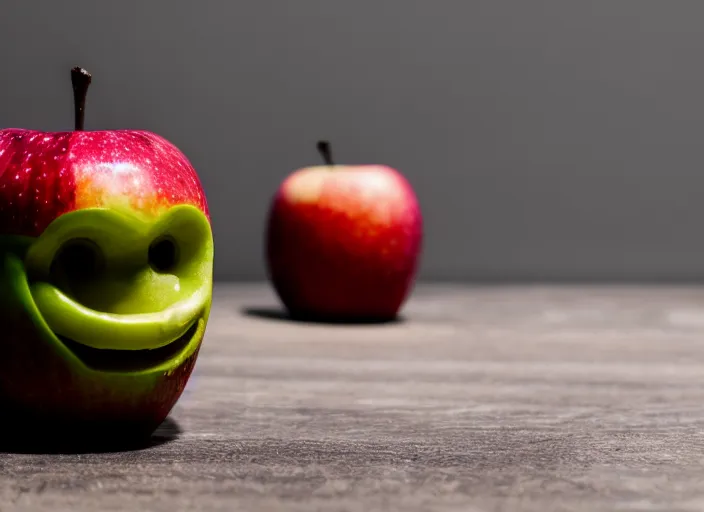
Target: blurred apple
[(343, 242)]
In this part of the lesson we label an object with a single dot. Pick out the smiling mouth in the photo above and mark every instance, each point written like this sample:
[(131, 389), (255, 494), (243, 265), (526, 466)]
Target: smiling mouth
[(113, 360), (122, 343)]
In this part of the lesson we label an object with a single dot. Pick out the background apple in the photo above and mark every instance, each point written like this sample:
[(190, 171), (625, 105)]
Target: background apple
[(106, 258), (343, 241)]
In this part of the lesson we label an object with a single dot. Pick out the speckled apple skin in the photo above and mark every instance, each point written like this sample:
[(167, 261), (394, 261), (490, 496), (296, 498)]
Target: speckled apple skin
[(43, 176), (344, 242)]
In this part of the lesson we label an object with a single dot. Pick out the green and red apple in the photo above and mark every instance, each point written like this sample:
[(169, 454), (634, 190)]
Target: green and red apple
[(106, 258), (343, 242)]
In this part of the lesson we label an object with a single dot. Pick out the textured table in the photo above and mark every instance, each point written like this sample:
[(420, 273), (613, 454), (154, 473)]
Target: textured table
[(505, 398)]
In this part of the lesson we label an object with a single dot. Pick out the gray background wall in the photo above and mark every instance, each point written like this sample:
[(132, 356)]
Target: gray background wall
[(546, 140)]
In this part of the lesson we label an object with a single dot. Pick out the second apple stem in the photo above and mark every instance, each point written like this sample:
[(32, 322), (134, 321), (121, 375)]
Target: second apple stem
[(326, 152)]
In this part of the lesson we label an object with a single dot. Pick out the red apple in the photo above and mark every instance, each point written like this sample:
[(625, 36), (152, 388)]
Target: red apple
[(105, 275), (343, 241)]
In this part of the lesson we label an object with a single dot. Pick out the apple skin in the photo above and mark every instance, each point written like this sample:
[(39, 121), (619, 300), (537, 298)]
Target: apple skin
[(46, 174), (44, 178), (343, 243)]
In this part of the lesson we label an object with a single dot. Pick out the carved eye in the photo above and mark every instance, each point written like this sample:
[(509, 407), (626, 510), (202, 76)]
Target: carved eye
[(78, 259), (163, 254)]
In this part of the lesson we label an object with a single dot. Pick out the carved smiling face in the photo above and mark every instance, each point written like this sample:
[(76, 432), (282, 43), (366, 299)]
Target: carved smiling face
[(106, 256), (106, 281)]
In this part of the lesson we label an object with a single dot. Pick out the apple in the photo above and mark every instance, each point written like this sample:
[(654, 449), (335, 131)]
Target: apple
[(343, 242), (106, 257)]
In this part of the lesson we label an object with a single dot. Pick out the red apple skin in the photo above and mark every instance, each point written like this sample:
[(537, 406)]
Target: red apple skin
[(44, 175), (343, 242)]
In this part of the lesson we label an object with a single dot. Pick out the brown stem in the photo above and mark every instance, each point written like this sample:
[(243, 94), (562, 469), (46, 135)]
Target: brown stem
[(325, 152), (80, 79)]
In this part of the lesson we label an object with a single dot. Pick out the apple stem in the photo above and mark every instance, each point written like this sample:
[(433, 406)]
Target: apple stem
[(80, 79), (325, 152)]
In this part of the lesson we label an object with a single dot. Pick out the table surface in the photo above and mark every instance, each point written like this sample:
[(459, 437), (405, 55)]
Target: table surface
[(535, 398)]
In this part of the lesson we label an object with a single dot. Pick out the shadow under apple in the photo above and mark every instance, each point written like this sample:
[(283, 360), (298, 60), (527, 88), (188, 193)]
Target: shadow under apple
[(38, 438), (279, 314)]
